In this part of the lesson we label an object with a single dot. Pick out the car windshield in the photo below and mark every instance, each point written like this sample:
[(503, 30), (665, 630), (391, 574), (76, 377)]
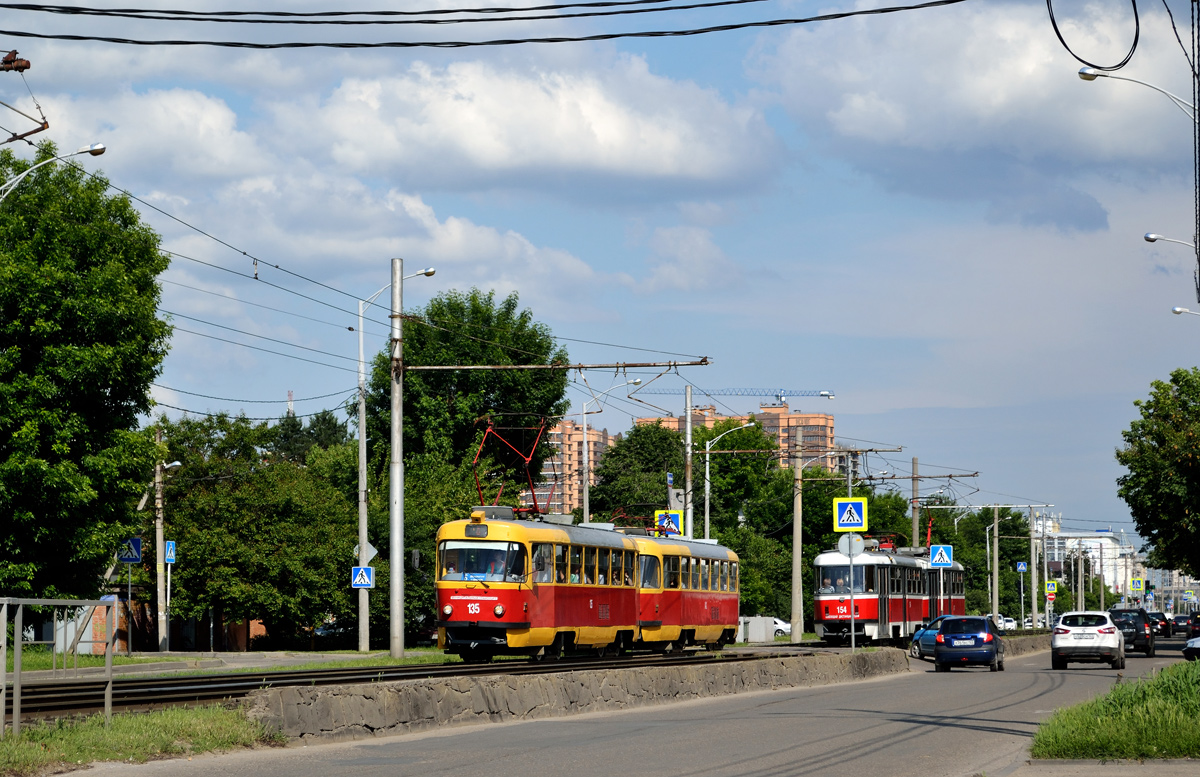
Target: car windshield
[(1084, 620), (964, 626)]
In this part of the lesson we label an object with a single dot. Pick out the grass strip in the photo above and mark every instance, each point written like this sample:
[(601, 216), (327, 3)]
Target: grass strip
[(1154, 717), (37, 660), (135, 738)]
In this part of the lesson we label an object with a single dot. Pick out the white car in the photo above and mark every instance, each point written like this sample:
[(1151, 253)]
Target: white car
[(782, 628), (1010, 624), (1087, 636)]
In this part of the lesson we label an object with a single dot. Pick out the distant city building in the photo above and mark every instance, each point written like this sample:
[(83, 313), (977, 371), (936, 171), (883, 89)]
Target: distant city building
[(809, 433)]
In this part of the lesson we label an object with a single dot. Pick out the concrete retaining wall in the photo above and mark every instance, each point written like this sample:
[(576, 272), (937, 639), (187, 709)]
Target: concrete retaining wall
[(377, 709)]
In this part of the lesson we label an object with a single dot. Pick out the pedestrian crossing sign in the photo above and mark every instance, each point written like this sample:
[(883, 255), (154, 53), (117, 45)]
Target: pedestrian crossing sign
[(362, 577), (667, 521), (941, 556), (850, 514), (1022, 566), (1051, 586), (131, 551), (1135, 585)]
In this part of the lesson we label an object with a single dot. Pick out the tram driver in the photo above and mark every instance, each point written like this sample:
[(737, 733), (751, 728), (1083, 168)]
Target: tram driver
[(826, 586), (841, 587)]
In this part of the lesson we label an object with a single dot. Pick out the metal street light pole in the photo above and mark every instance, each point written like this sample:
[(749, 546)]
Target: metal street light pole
[(96, 149), (160, 587), (707, 484), (587, 474), (364, 555)]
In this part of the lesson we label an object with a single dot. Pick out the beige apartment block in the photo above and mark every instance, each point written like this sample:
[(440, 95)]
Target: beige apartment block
[(811, 433), (562, 488)]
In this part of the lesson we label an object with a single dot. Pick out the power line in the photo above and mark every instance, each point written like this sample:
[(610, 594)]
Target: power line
[(261, 337), (255, 304), (497, 42), (255, 401), (185, 15), (223, 413), (265, 350)]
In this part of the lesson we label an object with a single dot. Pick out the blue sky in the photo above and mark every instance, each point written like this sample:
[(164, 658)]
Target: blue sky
[(927, 213)]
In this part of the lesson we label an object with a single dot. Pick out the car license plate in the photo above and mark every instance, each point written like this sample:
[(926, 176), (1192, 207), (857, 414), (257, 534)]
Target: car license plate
[(964, 642), (1084, 636)]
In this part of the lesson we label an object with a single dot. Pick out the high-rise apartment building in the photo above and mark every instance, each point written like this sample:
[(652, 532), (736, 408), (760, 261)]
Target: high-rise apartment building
[(811, 434), (561, 490)]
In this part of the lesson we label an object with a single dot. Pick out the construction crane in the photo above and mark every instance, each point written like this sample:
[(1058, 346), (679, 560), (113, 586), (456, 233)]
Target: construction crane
[(780, 394)]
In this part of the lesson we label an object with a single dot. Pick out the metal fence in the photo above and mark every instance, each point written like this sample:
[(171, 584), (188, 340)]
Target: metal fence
[(69, 644)]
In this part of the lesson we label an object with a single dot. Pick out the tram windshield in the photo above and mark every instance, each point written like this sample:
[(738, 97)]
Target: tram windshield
[(492, 562), (836, 579)]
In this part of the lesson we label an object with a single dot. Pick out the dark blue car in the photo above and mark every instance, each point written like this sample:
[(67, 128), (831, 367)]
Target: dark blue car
[(965, 640)]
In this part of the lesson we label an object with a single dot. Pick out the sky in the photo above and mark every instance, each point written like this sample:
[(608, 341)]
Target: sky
[(927, 213)]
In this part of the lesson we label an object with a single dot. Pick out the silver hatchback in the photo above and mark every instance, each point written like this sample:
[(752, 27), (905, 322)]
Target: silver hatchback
[(1088, 636)]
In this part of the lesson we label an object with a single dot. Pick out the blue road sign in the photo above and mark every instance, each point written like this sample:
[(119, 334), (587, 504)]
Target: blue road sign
[(169, 551), (668, 521), (850, 514), (670, 479), (941, 556), (131, 551), (1022, 566), (362, 577)]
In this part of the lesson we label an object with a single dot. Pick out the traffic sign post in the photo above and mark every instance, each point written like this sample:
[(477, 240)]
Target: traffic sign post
[(130, 554), (851, 545), (941, 557), (169, 558)]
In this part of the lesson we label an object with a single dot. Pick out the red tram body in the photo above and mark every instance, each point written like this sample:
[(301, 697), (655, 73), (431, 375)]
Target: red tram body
[(511, 586), (894, 590)]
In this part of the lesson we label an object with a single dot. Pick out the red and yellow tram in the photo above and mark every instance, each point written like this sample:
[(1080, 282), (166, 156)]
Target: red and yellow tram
[(510, 586), (893, 591)]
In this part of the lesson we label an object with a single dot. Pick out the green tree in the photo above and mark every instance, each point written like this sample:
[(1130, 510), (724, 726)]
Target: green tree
[(1162, 483), (258, 536), (445, 412), (79, 346)]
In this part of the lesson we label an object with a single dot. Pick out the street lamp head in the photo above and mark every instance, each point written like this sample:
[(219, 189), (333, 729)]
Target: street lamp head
[(428, 271), (96, 149), (173, 465), (1089, 73), (634, 382), (1150, 237), (1178, 310)]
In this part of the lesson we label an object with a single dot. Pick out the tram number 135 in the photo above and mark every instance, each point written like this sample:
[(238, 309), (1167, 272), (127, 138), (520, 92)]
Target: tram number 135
[(473, 608)]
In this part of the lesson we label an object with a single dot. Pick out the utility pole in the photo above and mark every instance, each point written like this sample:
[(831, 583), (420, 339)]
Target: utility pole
[(160, 591), (797, 545), (996, 565), (396, 471), (1102, 576), (687, 460), (1033, 572), (916, 517)]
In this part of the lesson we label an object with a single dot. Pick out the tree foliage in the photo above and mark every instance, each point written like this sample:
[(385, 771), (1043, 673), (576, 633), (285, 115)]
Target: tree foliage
[(445, 412), (1162, 482), (258, 536), (79, 346), (632, 475)]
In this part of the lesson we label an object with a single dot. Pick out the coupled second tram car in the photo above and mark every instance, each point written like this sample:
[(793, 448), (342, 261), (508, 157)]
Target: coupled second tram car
[(511, 586), (894, 590)]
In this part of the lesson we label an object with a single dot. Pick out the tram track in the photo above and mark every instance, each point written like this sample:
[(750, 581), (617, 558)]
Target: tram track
[(67, 697)]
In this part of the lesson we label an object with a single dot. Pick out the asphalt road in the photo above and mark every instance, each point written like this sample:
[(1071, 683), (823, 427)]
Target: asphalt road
[(966, 722)]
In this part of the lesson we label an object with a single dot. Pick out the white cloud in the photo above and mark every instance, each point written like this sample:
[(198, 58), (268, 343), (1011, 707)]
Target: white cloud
[(687, 260)]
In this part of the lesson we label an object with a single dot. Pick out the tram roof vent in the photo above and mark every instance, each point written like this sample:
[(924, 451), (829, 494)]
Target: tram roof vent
[(560, 519), (869, 544), (920, 550), (494, 512)]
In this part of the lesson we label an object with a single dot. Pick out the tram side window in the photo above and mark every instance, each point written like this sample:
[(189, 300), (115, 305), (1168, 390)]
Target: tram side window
[(650, 572), (685, 575), (560, 563), (516, 563), (589, 566), (705, 567), (733, 576), (602, 567), (697, 574), (671, 572), (543, 562), (724, 575), (576, 575), (629, 568), (893, 580), (867, 581)]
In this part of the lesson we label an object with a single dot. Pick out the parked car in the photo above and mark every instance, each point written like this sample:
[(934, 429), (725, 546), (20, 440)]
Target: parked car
[(782, 628), (1010, 624), (1161, 623), (1087, 636), (1194, 631), (966, 640), (925, 637), (1136, 627), (1182, 623), (1191, 650)]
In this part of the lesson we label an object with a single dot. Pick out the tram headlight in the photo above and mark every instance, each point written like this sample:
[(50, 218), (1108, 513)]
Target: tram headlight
[(448, 610), (499, 610)]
